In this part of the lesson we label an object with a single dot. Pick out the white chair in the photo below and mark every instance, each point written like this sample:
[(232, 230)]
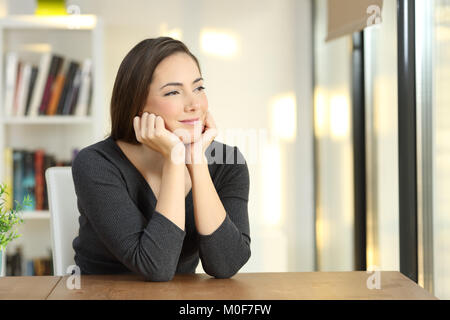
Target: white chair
[(62, 202), (3, 262)]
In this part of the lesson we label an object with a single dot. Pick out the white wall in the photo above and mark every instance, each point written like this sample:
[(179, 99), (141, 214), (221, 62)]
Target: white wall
[(273, 59)]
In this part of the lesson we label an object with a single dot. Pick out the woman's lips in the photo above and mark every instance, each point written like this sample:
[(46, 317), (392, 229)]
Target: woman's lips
[(191, 122)]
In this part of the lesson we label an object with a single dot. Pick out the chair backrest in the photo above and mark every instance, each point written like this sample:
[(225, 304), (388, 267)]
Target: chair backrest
[(64, 215), (3, 262)]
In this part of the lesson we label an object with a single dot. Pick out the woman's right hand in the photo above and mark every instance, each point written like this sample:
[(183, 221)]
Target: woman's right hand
[(151, 131)]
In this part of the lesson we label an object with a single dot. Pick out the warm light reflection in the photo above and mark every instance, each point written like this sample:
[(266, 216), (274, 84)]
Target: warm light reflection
[(370, 256), (321, 231), (331, 112), (339, 116), (217, 43), (174, 33), (36, 47), (74, 21), (284, 117), (272, 188), (78, 21), (320, 110)]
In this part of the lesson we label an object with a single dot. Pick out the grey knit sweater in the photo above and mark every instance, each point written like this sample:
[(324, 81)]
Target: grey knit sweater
[(120, 231)]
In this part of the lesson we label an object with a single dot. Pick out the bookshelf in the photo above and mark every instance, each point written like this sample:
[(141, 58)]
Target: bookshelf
[(47, 120), (75, 38)]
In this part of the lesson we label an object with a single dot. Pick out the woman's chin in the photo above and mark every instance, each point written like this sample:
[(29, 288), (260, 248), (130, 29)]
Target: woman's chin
[(190, 139), (187, 136)]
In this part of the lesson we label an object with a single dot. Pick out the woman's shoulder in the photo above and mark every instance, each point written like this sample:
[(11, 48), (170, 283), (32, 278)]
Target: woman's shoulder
[(94, 154)]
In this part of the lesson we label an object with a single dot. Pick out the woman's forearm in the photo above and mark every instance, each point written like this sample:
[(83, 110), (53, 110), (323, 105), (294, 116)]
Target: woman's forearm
[(209, 212), (171, 193)]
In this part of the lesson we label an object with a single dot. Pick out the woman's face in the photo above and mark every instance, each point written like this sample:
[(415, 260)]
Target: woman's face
[(176, 93)]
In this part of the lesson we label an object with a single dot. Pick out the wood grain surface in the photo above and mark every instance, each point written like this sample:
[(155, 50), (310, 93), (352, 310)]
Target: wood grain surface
[(27, 288), (245, 286)]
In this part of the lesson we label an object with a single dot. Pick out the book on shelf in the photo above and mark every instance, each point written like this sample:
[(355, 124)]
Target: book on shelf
[(58, 86), (28, 178), (68, 87), (18, 163), (12, 63), (57, 90), (38, 90), (55, 65), (16, 265), (42, 266), (72, 92), (22, 88), (16, 87), (85, 95), (33, 76), (40, 177), (14, 262), (8, 199), (25, 175)]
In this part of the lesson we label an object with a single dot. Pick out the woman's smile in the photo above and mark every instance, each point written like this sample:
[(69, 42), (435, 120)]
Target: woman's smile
[(192, 123)]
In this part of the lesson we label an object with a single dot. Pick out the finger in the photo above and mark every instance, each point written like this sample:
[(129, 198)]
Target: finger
[(207, 120), (144, 124), (159, 125), (210, 134), (206, 139), (205, 125), (151, 125), (137, 128)]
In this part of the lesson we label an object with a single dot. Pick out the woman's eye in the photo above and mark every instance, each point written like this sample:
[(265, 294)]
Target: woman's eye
[(176, 92)]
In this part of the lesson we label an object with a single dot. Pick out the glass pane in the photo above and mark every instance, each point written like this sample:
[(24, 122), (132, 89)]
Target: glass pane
[(441, 146), (380, 49), (433, 110), (334, 157)]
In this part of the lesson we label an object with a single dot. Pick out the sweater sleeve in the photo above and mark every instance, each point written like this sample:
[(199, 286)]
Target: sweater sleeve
[(150, 248), (227, 249)]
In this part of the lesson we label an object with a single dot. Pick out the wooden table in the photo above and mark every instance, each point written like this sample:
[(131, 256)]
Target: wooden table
[(243, 286), (27, 288)]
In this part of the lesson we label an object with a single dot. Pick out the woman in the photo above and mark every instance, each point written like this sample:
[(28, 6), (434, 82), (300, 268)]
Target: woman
[(143, 210)]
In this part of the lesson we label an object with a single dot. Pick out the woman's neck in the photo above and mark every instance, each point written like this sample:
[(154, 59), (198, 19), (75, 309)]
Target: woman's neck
[(145, 157)]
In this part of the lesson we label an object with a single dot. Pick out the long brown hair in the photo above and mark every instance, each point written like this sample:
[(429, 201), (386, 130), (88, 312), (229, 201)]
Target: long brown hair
[(133, 81)]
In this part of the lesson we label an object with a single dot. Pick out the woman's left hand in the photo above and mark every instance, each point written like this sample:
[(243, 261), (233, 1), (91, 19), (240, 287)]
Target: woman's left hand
[(195, 152)]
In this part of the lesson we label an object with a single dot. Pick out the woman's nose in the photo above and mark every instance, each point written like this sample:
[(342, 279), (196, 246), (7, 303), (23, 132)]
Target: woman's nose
[(192, 106)]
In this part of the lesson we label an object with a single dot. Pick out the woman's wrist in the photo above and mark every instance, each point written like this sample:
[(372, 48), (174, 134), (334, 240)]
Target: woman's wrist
[(177, 155), (192, 166), (171, 164)]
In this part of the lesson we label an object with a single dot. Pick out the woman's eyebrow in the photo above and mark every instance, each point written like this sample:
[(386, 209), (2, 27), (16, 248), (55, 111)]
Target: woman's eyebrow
[(179, 83)]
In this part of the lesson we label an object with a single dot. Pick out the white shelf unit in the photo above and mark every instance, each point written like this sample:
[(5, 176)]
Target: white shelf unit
[(47, 120), (38, 214), (75, 38)]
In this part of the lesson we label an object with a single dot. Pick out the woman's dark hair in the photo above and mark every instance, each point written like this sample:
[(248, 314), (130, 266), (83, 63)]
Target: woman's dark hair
[(133, 80)]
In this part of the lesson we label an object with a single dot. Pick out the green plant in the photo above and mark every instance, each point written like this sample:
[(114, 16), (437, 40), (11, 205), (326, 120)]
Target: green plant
[(10, 220)]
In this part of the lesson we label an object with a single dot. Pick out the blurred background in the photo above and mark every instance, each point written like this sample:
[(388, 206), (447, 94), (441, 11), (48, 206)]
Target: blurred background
[(340, 107)]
